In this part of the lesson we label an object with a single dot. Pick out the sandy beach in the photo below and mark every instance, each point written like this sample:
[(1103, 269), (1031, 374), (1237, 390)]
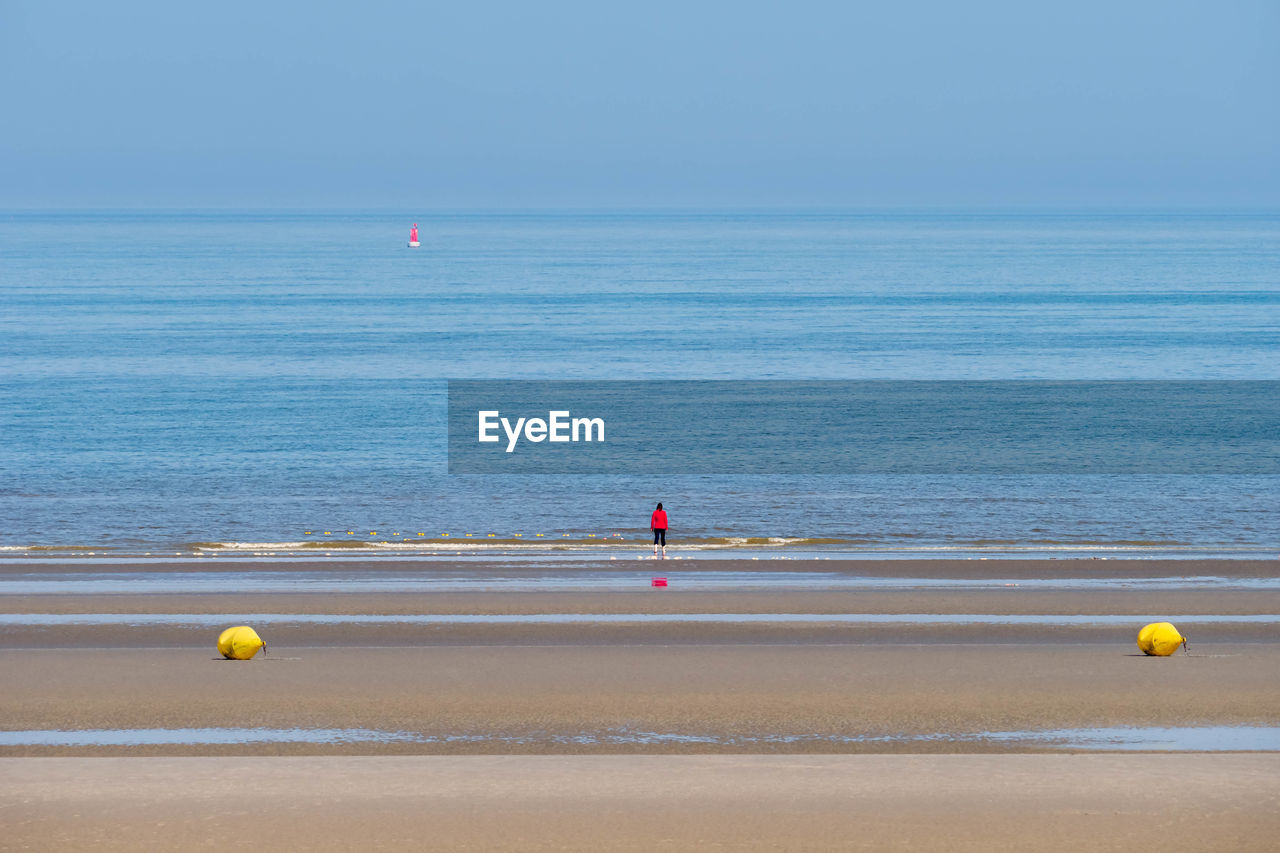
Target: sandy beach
[(872, 802), (787, 697), (599, 734)]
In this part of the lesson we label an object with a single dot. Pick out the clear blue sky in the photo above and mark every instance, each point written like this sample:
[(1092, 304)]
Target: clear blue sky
[(676, 104)]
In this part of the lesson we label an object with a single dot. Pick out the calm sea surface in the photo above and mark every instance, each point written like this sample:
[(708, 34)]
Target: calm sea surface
[(169, 379)]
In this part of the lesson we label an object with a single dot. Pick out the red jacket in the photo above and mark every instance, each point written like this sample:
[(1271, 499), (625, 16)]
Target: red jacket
[(659, 520)]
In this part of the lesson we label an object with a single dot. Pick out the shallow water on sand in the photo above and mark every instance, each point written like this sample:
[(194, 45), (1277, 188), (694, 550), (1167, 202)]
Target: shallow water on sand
[(1110, 738), (139, 583), (208, 619), (140, 737)]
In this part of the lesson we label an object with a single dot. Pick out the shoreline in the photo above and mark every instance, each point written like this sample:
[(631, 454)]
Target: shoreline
[(613, 548), (939, 567)]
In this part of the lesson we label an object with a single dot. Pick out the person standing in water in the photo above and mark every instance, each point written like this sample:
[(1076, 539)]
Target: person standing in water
[(658, 524)]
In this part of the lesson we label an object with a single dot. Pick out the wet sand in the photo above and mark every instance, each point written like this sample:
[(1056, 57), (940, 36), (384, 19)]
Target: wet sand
[(1147, 600), (756, 686), (540, 563), (673, 599), (535, 736), (872, 802), (558, 699), (548, 698)]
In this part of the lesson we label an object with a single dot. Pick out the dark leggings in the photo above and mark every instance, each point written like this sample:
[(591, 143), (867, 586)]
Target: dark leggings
[(660, 535)]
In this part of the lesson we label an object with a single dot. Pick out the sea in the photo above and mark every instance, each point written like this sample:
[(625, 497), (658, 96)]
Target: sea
[(274, 383)]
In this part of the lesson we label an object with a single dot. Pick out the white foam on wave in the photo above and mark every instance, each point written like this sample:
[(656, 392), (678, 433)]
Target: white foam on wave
[(411, 545)]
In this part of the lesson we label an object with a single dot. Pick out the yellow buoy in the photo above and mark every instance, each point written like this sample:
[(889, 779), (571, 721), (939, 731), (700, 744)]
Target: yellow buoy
[(1160, 639), (240, 643)]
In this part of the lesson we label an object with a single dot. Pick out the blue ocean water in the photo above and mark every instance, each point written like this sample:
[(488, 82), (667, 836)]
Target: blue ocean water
[(170, 378)]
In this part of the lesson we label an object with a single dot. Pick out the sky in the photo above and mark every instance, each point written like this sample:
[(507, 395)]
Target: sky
[(483, 105)]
